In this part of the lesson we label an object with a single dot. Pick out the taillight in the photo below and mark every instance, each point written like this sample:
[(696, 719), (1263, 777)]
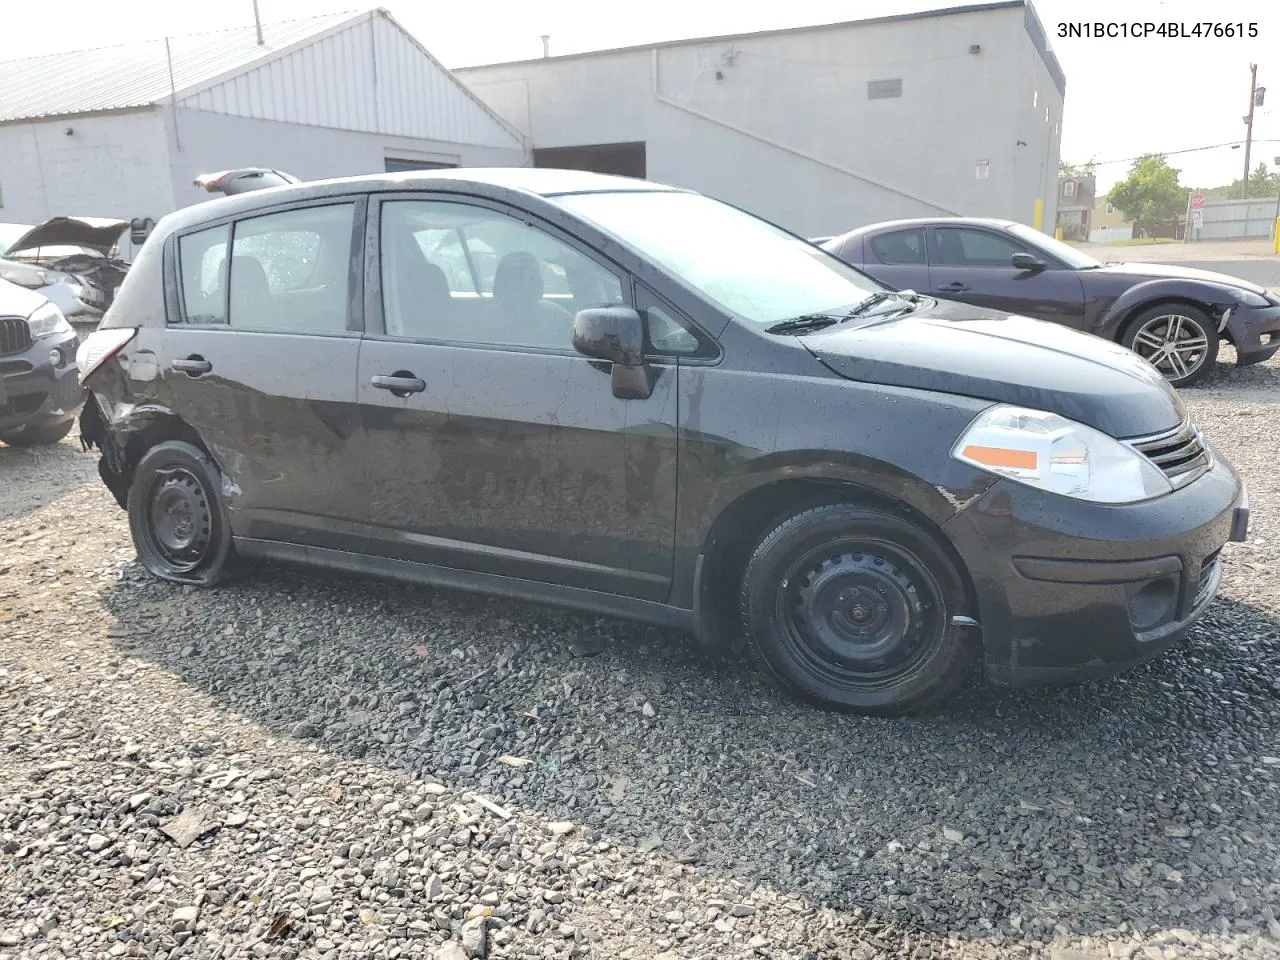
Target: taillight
[(99, 347)]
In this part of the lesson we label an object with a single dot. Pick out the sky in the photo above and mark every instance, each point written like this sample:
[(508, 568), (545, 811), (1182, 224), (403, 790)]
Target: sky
[(1125, 97)]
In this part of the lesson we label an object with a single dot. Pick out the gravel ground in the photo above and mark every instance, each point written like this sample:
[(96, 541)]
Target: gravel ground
[(301, 765)]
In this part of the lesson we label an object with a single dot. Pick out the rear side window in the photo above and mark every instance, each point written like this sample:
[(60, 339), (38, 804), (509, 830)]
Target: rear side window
[(202, 259), (289, 271), (900, 246)]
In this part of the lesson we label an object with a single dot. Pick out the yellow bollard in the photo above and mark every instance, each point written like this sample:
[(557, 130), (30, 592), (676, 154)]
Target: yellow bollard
[(1057, 233), (1037, 217), (1275, 238)]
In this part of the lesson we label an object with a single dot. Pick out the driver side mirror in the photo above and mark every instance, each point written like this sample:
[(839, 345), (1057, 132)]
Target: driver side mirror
[(1025, 261), (616, 334)]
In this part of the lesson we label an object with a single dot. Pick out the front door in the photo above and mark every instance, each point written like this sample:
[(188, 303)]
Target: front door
[(972, 265), (262, 364), (489, 443)]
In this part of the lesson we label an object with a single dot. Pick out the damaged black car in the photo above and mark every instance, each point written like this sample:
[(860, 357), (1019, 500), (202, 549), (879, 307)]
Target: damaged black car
[(651, 405)]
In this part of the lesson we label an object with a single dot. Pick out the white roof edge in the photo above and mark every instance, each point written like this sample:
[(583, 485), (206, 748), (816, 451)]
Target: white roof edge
[(278, 53), (510, 128)]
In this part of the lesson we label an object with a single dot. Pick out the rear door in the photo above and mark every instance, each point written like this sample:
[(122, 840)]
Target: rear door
[(972, 265), (490, 444), (260, 359), (897, 258)]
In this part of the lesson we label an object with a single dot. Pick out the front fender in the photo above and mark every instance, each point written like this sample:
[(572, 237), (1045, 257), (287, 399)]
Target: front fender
[(1214, 298)]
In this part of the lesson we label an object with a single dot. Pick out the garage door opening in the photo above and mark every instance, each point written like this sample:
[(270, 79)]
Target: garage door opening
[(620, 159)]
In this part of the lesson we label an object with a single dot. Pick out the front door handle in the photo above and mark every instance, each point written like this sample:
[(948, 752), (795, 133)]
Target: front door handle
[(401, 383), (192, 366), (956, 287)]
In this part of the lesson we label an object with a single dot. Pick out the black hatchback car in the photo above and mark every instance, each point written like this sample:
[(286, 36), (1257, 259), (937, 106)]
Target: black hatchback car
[(1171, 316), (631, 399)]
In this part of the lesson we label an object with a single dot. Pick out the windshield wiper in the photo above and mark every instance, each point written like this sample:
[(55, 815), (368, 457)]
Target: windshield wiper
[(870, 302), (810, 321)]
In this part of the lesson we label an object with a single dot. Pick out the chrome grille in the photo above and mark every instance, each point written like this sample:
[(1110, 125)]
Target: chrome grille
[(15, 335), (1208, 576), (1179, 453)]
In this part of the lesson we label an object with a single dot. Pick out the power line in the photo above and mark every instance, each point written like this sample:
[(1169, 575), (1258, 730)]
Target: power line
[(1174, 153)]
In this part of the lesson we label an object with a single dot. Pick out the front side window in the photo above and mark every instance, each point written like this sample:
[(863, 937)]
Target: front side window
[(1056, 249), (961, 247), (746, 265), (202, 262), (467, 274), (900, 246), (290, 270)]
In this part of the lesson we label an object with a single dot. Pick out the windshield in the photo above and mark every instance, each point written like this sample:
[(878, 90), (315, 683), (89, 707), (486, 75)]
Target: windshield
[(1068, 254), (746, 265)]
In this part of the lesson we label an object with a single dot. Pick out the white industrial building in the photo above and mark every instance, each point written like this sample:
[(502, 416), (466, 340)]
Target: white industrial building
[(124, 131), (821, 129)]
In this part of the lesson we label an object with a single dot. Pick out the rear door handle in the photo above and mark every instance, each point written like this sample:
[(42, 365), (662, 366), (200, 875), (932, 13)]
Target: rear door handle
[(401, 384), (956, 287), (193, 366)]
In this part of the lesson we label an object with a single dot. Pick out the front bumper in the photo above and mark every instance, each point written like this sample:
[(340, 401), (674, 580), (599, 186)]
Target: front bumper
[(1255, 331), (34, 390), (1068, 590)]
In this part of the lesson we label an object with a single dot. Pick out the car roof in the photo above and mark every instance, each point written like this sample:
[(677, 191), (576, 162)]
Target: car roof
[(930, 221), (492, 181)]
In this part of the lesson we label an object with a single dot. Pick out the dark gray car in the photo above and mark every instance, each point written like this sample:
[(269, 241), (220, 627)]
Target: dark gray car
[(656, 406), (1172, 316)]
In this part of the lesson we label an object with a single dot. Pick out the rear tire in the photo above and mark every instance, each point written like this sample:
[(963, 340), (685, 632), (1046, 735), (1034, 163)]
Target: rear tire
[(176, 516), (29, 436), (1179, 340), (850, 607)]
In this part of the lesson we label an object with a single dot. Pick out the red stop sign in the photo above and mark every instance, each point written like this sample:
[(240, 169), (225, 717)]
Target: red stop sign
[(1197, 201)]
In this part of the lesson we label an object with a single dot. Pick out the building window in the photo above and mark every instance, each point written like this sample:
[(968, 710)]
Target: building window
[(883, 89), (1110, 210), (1069, 189)]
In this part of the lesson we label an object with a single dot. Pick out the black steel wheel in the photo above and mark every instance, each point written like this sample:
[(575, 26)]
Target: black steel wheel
[(1179, 340), (175, 516), (851, 607)]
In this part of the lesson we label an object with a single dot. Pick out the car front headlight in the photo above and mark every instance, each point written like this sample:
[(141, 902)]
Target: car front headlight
[(23, 274), (46, 321), (1248, 298), (1053, 453)]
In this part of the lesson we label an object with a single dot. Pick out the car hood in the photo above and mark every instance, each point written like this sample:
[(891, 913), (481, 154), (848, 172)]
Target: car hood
[(959, 349), (1160, 271), (16, 301), (95, 233)]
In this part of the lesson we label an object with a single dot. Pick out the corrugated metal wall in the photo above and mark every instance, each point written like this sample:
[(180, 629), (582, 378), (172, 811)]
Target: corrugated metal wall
[(1227, 219), (368, 77)]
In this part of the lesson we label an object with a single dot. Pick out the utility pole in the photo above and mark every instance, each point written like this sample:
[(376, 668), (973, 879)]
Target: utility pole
[(1248, 137)]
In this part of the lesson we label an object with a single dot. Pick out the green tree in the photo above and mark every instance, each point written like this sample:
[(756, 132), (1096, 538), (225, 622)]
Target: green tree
[(1075, 170), (1150, 192), (1261, 184)]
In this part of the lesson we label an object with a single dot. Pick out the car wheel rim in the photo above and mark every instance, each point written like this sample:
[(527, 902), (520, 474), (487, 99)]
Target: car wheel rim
[(1174, 344), (180, 522), (860, 614)]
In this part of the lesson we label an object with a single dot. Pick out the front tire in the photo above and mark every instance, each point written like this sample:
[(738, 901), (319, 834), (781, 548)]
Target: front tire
[(176, 517), (851, 607), (1179, 340), (29, 436)]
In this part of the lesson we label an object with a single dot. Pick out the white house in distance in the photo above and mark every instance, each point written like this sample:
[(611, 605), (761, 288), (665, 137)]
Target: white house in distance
[(124, 131), (821, 129)]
